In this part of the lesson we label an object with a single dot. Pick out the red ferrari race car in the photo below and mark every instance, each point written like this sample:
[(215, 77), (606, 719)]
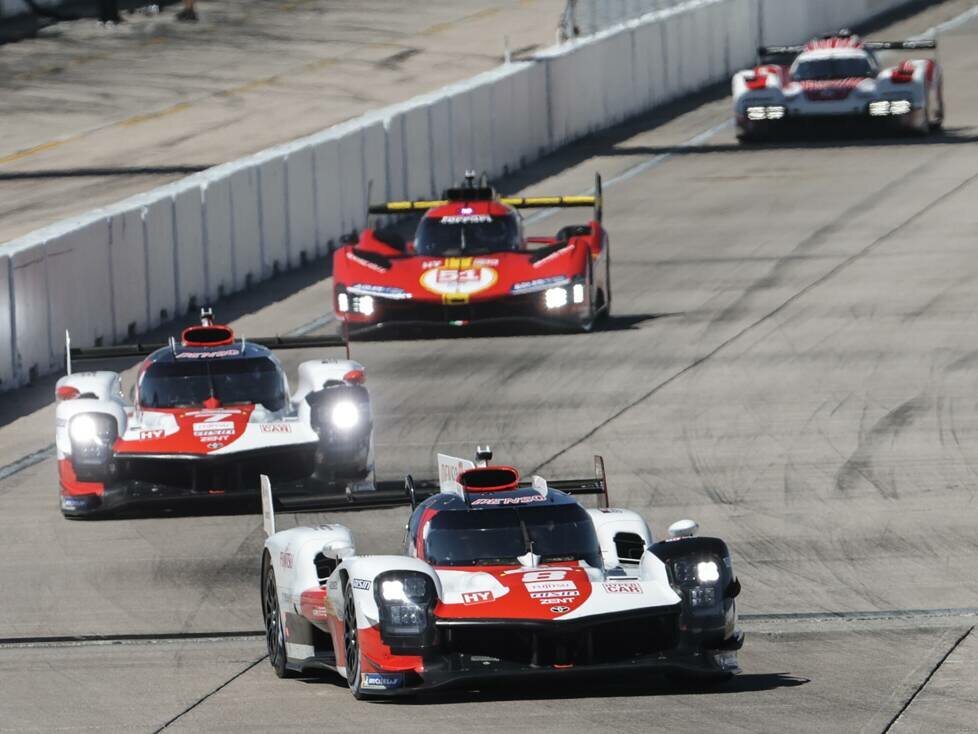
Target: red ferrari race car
[(470, 263), (208, 414)]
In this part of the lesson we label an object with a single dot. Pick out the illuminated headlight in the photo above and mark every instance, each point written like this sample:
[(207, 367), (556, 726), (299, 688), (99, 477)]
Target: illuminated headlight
[(405, 601), (707, 572), (879, 109), (773, 112), (900, 107), (342, 302), (83, 429), (345, 415), (406, 589), (364, 304), (555, 298), (578, 291)]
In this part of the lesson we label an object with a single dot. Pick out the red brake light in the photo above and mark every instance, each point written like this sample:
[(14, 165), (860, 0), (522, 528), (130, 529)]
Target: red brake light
[(355, 377), (66, 392)]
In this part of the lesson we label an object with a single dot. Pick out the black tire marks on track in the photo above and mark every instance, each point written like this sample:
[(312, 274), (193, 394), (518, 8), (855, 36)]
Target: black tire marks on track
[(832, 272)]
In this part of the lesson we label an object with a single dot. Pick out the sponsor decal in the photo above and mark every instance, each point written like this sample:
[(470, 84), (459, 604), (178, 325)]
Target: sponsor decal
[(320, 613), (466, 219), (477, 597), (285, 559), (216, 354), (549, 585), (459, 276), (361, 584), (559, 610), (379, 290), (216, 431), (151, 435), (622, 587), (275, 427), (508, 500), (552, 597), (429, 264), (539, 284), (383, 681), (333, 585)]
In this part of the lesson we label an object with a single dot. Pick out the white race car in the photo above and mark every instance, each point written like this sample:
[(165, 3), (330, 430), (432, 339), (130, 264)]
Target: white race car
[(500, 579), (207, 416), (838, 77)]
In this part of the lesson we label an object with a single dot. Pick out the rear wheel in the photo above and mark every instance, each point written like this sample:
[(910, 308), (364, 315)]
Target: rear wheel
[(351, 641), (274, 630)]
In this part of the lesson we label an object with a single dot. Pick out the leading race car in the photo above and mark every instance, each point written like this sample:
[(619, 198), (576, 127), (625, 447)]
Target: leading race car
[(838, 77), (209, 414), (469, 263), (500, 579)]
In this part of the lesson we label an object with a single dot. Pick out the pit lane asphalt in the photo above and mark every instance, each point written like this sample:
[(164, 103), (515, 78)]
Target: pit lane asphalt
[(790, 363)]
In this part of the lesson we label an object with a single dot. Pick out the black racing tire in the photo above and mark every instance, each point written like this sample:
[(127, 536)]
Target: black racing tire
[(937, 123), (272, 614), (588, 322), (351, 641)]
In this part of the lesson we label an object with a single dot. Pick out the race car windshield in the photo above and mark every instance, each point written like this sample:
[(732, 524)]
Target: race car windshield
[(467, 235), (188, 384), (500, 536), (828, 69)]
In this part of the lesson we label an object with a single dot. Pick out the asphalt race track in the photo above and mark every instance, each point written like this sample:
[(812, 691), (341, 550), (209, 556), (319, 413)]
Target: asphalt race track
[(791, 362)]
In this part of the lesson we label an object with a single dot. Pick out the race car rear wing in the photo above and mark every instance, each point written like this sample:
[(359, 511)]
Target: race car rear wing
[(485, 193), (767, 54), (410, 493), (143, 349)]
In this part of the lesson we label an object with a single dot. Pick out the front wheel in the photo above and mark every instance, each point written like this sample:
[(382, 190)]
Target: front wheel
[(274, 630), (351, 641)]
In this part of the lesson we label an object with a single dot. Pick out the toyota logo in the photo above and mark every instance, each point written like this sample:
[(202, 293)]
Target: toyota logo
[(559, 610)]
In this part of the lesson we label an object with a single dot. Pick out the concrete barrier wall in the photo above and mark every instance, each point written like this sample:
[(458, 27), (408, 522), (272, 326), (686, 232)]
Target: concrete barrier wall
[(119, 271)]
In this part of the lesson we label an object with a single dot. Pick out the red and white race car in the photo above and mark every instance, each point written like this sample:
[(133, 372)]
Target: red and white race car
[(207, 416), (469, 263), (838, 77), (500, 580)]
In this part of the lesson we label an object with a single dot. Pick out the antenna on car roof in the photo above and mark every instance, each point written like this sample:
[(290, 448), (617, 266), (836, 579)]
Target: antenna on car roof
[(207, 316), (483, 455)]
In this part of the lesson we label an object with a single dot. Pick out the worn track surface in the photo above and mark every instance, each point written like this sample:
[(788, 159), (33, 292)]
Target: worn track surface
[(791, 362)]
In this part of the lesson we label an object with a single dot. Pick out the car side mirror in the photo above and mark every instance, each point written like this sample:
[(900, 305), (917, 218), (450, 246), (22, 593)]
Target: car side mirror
[(683, 529)]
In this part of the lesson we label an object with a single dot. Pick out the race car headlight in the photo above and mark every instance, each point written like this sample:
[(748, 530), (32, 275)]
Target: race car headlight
[(364, 305), (342, 302), (707, 572), (92, 436), (578, 291), (405, 600), (83, 429), (770, 112), (345, 415), (555, 298), (698, 579), (900, 107)]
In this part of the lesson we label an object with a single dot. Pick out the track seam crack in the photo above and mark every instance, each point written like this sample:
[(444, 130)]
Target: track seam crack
[(206, 696), (926, 680), (750, 327)]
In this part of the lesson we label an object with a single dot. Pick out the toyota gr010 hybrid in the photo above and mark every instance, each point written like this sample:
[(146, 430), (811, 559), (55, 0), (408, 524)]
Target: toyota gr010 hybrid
[(838, 78), (470, 263), (499, 579), (208, 415)]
